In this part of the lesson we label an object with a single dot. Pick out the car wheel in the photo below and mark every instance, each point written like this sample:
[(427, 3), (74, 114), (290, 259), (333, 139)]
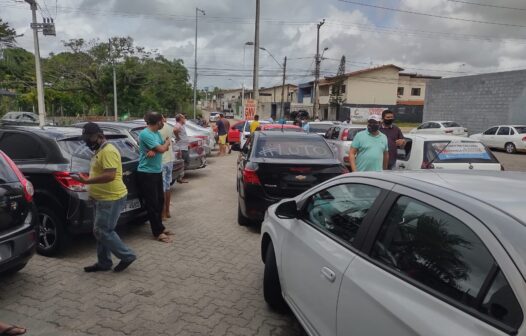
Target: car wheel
[(271, 284), (510, 148), (51, 234)]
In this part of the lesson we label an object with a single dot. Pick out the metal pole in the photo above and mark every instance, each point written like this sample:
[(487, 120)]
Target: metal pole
[(115, 113), (40, 82), (243, 85), (195, 63), (255, 84), (316, 105), (283, 89)]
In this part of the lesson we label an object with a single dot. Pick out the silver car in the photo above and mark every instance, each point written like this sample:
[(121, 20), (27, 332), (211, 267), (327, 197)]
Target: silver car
[(414, 253), (441, 127), (511, 138), (340, 139)]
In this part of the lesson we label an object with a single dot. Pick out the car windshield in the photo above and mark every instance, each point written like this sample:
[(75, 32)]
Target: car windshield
[(450, 124), (457, 152), (319, 128), (521, 129), (284, 129), (292, 148)]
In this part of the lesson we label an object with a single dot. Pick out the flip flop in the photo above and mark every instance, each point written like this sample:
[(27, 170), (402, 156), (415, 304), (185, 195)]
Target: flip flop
[(169, 233), (182, 181), (163, 238), (10, 331)]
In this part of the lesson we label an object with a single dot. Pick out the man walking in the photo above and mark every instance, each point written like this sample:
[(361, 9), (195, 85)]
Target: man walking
[(369, 151), (394, 135), (222, 132), (227, 128), (149, 173), (168, 164), (109, 193), (182, 140)]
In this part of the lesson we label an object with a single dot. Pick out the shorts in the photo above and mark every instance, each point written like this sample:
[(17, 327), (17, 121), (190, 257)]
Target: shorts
[(167, 175), (222, 139)]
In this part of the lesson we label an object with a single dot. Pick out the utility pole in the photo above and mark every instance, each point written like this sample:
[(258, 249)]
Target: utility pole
[(114, 83), (40, 82), (283, 89), (316, 106), (197, 11), (255, 84)]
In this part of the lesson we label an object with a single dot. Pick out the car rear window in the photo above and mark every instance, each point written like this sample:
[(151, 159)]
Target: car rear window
[(451, 124), (521, 130), (79, 151), (7, 174), (353, 132), (319, 128), (457, 152), (292, 148)]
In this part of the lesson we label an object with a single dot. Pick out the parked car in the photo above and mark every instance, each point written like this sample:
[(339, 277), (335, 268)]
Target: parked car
[(340, 138), (228, 114), (214, 116), (206, 135), (441, 127), (47, 157), (21, 117), (318, 127), (281, 128), (132, 130), (275, 165), (234, 133), (413, 253), (428, 151), (18, 218), (246, 130), (511, 138)]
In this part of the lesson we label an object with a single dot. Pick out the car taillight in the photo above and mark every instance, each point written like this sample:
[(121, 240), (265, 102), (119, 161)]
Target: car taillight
[(250, 176), (345, 134), (427, 165), (449, 131), (346, 159), (27, 186), (65, 180), (524, 139)]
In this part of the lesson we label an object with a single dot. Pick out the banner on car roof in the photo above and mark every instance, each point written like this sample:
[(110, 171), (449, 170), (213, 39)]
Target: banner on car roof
[(461, 150)]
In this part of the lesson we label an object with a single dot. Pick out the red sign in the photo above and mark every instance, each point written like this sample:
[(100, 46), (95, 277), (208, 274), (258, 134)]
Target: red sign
[(250, 109)]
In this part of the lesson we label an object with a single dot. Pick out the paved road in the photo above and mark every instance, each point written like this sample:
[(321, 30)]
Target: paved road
[(208, 282), (512, 162)]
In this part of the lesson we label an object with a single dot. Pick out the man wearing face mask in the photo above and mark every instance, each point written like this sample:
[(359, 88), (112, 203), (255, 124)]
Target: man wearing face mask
[(369, 150), (394, 135), (149, 173), (108, 191)]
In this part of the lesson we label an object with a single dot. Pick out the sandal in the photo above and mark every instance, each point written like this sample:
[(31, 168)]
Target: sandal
[(11, 331), (182, 181), (169, 233), (163, 238)]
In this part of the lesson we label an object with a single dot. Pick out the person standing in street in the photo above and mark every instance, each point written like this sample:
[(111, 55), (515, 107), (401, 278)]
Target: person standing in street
[(222, 132), (168, 164), (227, 127), (254, 124), (149, 173), (181, 139), (369, 150), (106, 188), (395, 137)]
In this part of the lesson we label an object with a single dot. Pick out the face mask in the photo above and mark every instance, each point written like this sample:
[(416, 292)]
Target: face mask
[(373, 128), (93, 146), (388, 122)]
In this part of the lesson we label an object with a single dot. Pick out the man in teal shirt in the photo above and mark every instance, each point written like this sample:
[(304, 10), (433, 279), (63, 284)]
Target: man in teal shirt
[(369, 149), (149, 173)]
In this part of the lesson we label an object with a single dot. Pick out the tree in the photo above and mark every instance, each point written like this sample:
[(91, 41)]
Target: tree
[(7, 35), (336, 98)]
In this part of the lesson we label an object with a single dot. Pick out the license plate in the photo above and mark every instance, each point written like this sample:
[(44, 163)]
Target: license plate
[(5, 252), (132, 205)]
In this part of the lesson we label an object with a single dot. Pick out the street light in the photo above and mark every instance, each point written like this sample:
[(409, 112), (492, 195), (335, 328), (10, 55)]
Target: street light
[(197, 11), (274, 58)]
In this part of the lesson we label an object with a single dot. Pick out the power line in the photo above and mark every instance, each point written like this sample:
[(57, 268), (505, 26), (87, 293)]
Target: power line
[(487, 5), (433, 15)]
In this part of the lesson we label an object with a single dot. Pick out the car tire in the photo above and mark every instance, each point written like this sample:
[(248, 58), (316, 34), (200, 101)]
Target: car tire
[(51, 233), (510, 148), (241, 219), (271, 284)]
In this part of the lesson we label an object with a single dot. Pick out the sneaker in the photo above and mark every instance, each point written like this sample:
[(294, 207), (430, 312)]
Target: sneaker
[(122, 265), (96, 268)]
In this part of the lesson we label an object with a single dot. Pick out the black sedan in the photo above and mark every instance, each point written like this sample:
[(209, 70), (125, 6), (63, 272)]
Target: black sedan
[(277, 165)]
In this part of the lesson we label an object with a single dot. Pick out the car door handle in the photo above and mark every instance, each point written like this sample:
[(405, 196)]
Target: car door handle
[(329, 274)]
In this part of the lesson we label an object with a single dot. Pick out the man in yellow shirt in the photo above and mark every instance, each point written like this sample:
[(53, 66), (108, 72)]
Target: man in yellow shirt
[(254, 124), (109, 193)]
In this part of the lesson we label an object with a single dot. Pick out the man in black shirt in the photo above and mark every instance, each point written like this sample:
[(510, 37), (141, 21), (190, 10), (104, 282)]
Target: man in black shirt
[(394, 135), (222, 132)]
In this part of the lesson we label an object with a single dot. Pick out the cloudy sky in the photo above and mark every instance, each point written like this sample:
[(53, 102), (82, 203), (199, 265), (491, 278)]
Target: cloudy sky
[(436, 37)]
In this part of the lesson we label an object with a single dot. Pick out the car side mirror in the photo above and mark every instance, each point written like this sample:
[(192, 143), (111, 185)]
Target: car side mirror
[(235, 147), (287, 210)]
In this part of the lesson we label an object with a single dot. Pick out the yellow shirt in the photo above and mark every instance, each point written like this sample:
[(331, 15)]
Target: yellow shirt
[(107, 158), (253, 126), (168, 132)]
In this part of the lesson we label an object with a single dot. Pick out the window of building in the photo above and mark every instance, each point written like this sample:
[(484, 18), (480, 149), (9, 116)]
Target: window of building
[(416, 91), (343, 89), (400, 91)]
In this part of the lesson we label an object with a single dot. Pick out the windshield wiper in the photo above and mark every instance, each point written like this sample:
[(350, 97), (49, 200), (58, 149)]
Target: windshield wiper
[(437, 154)]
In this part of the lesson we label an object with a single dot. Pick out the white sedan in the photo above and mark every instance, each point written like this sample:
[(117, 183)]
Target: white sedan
[(407, 253), (511, 138), (428, 151), (441, 127)]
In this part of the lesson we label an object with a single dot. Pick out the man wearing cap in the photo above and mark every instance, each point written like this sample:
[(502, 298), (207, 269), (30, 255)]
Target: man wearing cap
[(369, 150), (108, 191)]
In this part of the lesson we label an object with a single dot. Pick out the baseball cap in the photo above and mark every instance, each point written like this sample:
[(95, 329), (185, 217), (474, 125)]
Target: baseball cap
[(375, 117), (91, 128)]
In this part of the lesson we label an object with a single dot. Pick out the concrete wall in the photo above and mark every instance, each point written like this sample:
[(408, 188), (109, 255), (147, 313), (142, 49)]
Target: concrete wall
[(373, 87), (478, 102)]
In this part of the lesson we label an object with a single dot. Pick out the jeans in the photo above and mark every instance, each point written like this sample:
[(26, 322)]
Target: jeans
[(151, 190), (167, 175), (108, 241)]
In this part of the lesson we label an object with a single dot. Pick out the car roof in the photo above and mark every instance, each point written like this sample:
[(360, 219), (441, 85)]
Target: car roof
[(269, 126), (115, 124), (321, 123), (431, 137), (288, 134), (53, 132)]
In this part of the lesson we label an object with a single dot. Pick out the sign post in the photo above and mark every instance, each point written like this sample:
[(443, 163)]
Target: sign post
[(250, 109)]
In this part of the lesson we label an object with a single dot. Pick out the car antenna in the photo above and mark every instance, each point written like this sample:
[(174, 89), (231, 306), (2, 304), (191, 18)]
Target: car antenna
[(440, 152)]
